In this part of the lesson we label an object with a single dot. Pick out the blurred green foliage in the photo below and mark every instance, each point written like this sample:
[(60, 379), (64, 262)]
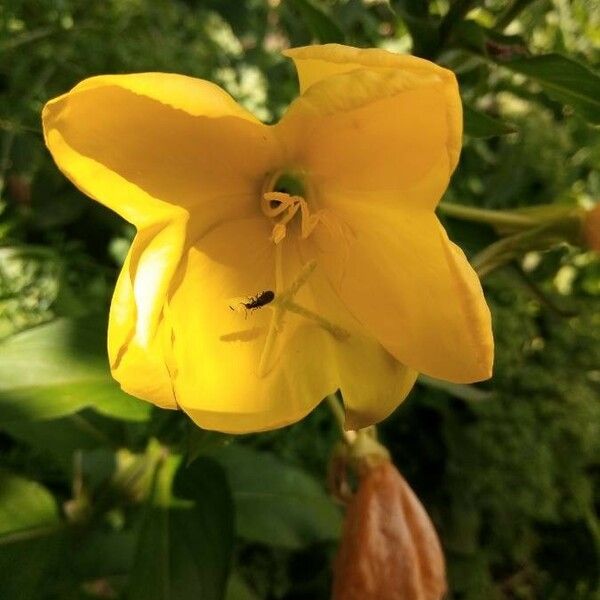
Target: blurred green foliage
[(96, 498)]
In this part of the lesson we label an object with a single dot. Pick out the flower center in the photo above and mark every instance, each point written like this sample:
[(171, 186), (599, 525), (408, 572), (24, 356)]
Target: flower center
[(284, 198)]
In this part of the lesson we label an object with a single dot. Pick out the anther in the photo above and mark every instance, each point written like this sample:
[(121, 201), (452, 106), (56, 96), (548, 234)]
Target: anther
[(283, 206)]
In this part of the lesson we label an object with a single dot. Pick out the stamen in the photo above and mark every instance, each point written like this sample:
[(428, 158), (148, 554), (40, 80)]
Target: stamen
[(274, 328), (339, 332), (281, 207), (301, 279), (284, 206), (274, 203), (279, 283)]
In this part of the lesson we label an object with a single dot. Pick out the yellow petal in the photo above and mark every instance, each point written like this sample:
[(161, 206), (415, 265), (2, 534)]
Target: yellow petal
[(146, 277), (373, 130), (411, 287), (145, 143), (140, 369), (321, 61), (315, 63), (218, 351), (171, 154), (373, 383)]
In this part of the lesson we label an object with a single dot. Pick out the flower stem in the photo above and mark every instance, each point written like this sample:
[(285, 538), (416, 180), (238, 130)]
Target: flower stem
[(511, 12), (483, 215), (338, 412), (32, 534)]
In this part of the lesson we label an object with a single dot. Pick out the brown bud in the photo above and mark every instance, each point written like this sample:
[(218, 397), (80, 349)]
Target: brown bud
[(389, 548), (591, 228)]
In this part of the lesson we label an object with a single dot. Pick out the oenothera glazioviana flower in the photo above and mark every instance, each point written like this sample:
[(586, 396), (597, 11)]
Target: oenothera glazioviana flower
[(276, 264)]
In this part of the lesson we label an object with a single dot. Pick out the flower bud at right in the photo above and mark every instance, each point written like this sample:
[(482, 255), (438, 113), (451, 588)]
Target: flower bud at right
[(591, 228)]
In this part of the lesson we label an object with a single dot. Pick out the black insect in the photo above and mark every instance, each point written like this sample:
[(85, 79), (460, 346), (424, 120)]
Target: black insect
[(260, 300), (253, 302)]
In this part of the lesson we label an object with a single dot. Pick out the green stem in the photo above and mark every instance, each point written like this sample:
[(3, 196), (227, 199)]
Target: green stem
[(485, 215), (513, 246), (591, 520), (27, 38), (511, 13), (538, 293), (5, 151), (457, 12), (31, 534), (340, 416)]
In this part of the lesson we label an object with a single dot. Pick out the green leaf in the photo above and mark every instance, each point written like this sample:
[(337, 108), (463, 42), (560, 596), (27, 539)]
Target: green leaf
[(59, 438), (104, 554), (479, 125), (206, 484), (321, 25), (30, 536), (275, 503), (563, 79), (28, 565), (61, 368), (185, 553), (24, 506), (470, 393)]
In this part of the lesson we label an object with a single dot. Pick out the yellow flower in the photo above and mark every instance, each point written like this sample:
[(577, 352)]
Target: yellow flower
[(275, 264)]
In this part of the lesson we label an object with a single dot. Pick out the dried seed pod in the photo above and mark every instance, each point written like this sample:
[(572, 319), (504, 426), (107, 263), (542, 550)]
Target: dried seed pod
[(591, 228), (389, 548)]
